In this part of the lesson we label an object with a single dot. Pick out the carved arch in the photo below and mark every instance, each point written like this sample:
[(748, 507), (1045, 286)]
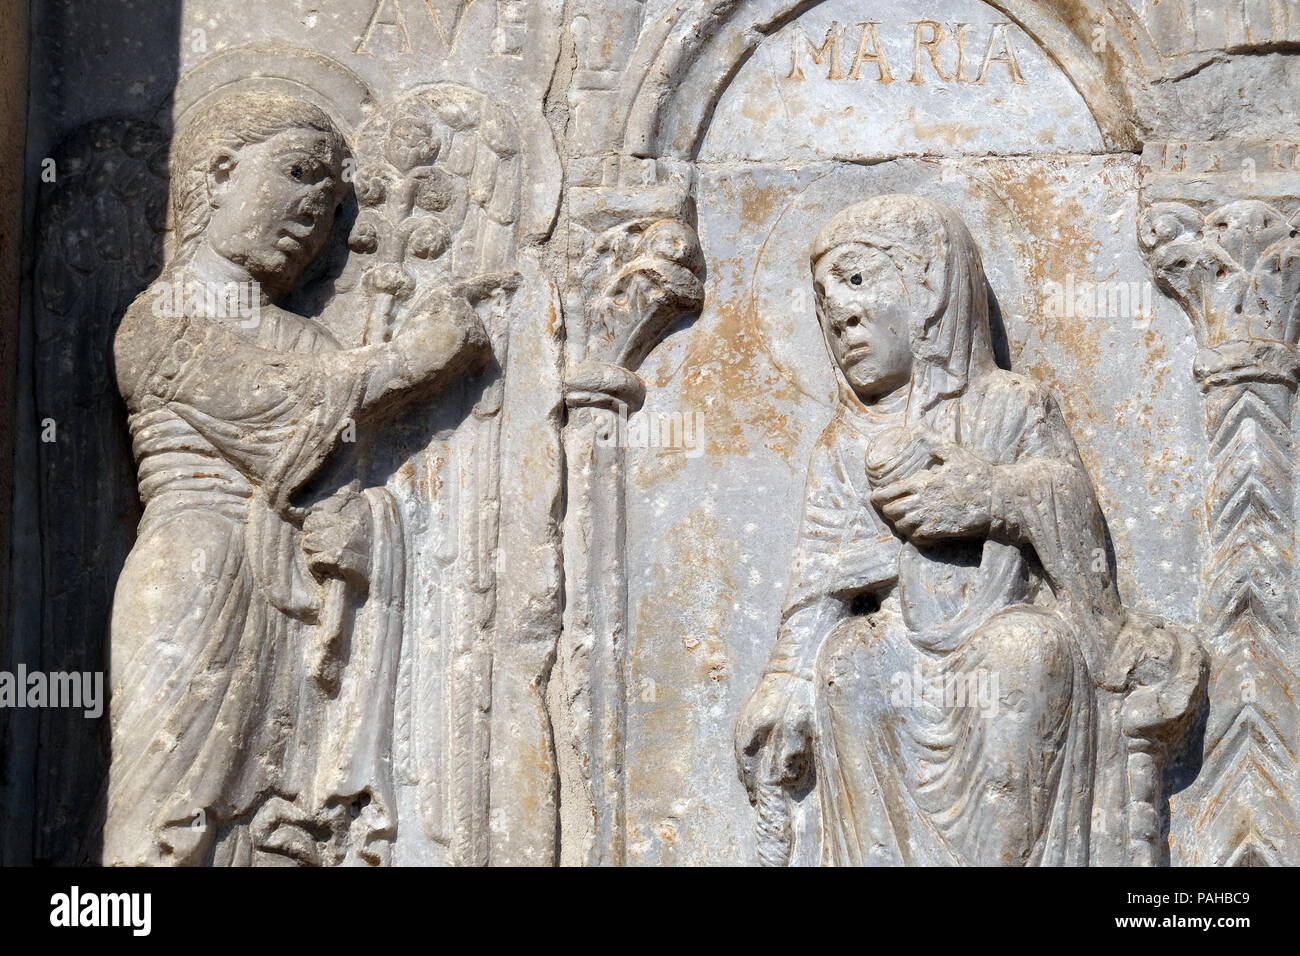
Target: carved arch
[(686, 60)]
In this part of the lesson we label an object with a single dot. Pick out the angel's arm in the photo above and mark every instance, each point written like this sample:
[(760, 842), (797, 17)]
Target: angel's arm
[(204, 364)]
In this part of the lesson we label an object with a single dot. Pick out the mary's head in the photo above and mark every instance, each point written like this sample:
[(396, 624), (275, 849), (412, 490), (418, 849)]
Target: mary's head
[(902, 300)]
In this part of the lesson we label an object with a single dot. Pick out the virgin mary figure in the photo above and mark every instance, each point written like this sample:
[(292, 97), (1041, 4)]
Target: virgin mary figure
[(947, 614)]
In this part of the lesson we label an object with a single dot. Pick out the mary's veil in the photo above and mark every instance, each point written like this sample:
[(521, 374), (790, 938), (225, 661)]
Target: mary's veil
[(954, 342)]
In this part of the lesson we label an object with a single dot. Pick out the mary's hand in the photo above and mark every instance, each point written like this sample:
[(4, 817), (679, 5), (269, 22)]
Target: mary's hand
[(951, 498), (774, 734)]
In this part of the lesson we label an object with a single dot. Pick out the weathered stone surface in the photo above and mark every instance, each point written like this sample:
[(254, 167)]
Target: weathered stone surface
[(522, 506)]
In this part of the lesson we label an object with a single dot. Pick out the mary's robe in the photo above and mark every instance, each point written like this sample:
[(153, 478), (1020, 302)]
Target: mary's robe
[(955, 708)]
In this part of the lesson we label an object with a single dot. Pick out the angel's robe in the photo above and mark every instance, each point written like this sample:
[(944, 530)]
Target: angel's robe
[(215, 713), (955, 711)]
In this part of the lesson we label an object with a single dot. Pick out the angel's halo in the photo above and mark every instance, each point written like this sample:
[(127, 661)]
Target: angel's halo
[(321, 80)]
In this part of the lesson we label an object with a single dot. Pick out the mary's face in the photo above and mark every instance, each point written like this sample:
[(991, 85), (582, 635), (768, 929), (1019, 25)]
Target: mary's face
[(866, 308), (275, 204)]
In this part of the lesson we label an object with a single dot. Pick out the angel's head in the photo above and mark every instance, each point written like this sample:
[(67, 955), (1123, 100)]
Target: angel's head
[(257, 177)]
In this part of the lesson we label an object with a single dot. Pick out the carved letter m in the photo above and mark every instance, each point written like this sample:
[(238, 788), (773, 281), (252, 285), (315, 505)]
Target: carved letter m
[(830, 48)]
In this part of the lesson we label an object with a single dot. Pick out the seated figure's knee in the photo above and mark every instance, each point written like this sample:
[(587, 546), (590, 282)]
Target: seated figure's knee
[(1026, 651)]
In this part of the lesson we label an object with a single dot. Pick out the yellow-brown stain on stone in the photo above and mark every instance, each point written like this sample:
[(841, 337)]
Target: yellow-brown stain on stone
[(532, 768), (1057, 229), (947, 131), (727, 377), (1162, 464), (681, 652), (757, 202), (759, 108)]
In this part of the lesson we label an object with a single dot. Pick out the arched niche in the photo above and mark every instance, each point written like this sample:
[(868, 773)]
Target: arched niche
[(1046, 180), (687, 57)]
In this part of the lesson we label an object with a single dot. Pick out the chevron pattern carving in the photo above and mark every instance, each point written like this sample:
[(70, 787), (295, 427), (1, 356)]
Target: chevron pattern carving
[(1232, 272)]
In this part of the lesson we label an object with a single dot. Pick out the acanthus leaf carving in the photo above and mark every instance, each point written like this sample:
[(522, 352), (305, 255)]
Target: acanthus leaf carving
[(1229, 269)]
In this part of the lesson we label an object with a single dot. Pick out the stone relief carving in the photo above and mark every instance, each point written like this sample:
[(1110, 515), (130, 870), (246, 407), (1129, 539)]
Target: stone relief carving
[(439, 205), (1218, 243), (955, 674), (230, 743), (639, 273), (382, 603), (398, 674), (391, 654)]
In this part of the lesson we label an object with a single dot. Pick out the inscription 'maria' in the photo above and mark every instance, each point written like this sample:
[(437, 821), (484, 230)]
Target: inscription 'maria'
[(938, 50)]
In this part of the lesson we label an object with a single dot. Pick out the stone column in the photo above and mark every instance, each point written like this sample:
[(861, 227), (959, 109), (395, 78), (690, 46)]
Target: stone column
[(1219, 226), (639, 272)]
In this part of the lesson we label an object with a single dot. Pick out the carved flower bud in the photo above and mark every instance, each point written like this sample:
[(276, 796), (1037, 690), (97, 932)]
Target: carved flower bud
[(364, 238), (410, 144), (436, 191), (457, 109), (371, 186), (672, 241), (391, 279), (499, 133), (429, 239), (1165, 222)]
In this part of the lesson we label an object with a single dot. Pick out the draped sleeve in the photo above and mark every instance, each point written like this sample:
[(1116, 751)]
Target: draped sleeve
[(276, 414), (265, 410), (1044, 500), (844, 549)]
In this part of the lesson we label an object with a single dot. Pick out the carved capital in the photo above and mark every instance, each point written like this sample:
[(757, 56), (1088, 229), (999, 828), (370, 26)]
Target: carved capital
[(1218, 225), (640, 272), (1233, 270)]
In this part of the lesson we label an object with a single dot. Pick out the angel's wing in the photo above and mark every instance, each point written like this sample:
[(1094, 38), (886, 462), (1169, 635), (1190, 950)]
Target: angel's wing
[(100, 227)]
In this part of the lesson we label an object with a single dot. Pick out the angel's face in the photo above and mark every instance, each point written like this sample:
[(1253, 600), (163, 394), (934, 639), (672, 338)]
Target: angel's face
[(274, 204), (865, 308)]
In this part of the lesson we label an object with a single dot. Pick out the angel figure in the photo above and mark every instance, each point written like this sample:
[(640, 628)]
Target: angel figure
[(254, 637)]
